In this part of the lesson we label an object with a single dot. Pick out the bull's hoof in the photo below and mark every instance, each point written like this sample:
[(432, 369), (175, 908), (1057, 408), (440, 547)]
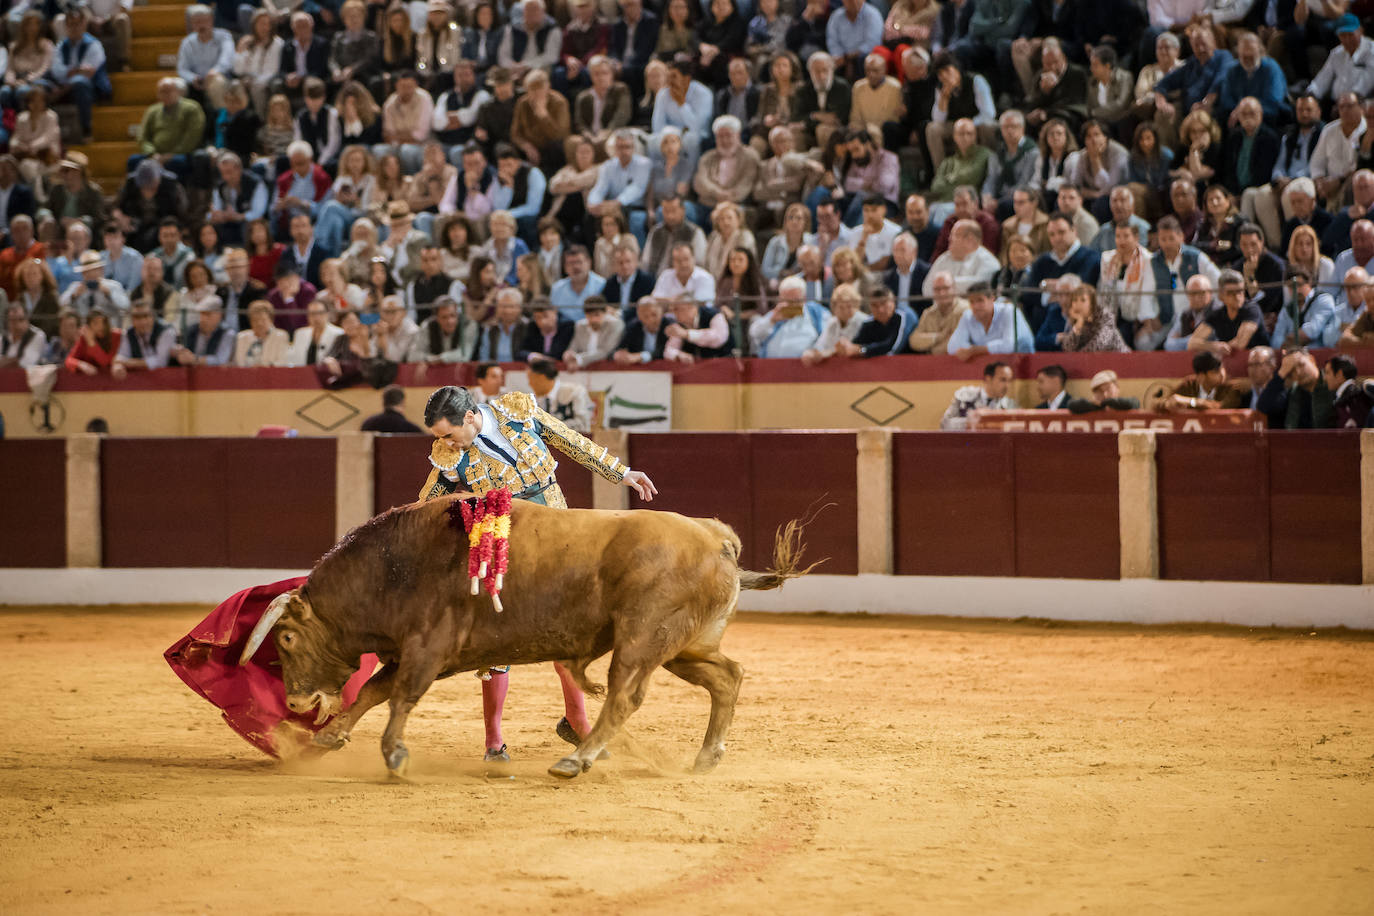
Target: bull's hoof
[(330, 739), (707, 759), (398, 761), (566, 768)]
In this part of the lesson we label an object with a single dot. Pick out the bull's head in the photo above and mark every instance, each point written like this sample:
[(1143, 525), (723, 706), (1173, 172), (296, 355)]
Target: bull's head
[(313, 673)]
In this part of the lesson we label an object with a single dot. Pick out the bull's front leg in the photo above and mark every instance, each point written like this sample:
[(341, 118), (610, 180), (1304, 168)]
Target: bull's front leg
[(421, 661), (377, 689)]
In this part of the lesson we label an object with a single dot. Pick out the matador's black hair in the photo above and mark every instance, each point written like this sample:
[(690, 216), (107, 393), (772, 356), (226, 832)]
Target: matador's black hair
[(449, 403)]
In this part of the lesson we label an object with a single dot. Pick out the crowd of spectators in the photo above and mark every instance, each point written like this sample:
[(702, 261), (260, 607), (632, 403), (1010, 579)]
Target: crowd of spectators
[(355, 185)]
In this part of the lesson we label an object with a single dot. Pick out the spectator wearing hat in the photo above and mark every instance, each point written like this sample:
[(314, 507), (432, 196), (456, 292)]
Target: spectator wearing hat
[(147, 196), (1206, 389), (392, 419), (438, 46), (1349, 66), (208, 342), (497, 114), (94, 290), (404, 243), (78, 69), (173, 128), (1106, 395), (73, 196)]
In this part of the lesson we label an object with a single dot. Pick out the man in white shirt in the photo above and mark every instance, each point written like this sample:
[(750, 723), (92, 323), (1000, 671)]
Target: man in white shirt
[(1337, 152), (794, 327), (685, 279), (1349, 66), (873, 237), (966, 260)]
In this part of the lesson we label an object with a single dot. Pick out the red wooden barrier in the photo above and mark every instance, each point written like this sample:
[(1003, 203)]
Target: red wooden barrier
[(1314, 507), (35, 502), (1214, 507), (757, 481), (1067, 506), (400, 466), (217, 502), (953, 504)]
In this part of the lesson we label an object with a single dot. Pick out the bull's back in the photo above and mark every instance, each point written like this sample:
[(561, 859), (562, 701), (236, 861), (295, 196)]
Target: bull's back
[(576, 576)]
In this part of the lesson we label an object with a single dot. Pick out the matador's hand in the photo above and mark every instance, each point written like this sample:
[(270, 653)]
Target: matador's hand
[(641, 484)]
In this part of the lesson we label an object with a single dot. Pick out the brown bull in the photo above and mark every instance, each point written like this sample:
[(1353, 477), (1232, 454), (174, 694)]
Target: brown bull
[(651, 588)]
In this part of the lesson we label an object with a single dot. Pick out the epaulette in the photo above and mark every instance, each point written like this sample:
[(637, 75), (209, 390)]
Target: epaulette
[(444, 456), (517, 406)]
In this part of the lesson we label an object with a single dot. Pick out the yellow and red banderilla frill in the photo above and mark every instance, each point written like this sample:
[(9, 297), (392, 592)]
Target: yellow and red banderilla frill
[(487, 522)]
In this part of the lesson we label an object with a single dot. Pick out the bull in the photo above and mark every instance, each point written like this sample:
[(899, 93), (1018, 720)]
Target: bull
[(651, 588)]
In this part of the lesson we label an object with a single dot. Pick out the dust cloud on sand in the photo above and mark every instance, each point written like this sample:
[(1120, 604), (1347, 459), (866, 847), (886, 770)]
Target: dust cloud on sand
[(878, 765)]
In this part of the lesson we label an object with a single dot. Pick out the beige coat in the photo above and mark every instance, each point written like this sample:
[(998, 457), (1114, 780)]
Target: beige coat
[(273, 351)]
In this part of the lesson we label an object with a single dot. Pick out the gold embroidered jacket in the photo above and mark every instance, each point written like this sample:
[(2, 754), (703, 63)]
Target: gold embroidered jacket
[(530, 431)]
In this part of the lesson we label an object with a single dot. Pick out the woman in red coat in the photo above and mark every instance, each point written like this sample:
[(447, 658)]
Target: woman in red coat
[(96, 347)]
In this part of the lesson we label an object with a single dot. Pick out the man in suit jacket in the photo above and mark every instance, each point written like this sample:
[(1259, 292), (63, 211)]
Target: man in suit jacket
[(645, 338), (306, 54), (304, 252), (907, 275), (741, 97), (547, 336), (633, 39), (1251, 149), (628, 284), (1049, 384), (823, 99), (1260, 267)]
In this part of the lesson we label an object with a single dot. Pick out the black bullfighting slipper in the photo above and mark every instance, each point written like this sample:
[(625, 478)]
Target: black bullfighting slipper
[(565, 731), (496, 755)]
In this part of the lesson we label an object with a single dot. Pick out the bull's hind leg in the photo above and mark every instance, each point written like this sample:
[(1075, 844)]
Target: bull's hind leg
[(626, 682), (721, 677)]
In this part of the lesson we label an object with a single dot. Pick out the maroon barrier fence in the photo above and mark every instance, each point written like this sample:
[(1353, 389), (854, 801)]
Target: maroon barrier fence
[(756, 482), (217, 502), (35, 502), (1018, 504), (1260, 507)]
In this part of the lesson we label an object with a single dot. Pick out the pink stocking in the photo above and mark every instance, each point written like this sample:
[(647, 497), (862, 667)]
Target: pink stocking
[(493, 701), (574, 703)]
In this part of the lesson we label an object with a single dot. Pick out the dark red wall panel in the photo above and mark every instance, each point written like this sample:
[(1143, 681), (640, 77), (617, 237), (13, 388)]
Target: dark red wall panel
[(954, 509), (279, 501), (400, 467), (701, 475), (1067, 518), (217, 502), (575, 481), (792, 472), (35, 502), (1314, 507), (164, 502), (1213, 506)]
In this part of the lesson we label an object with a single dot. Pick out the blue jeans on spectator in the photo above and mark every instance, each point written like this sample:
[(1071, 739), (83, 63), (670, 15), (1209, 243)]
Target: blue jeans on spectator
[(80, 91), (412, 155), (333, 221)]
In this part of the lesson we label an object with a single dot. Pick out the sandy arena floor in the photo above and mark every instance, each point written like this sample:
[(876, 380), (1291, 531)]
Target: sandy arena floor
[(876, 766)]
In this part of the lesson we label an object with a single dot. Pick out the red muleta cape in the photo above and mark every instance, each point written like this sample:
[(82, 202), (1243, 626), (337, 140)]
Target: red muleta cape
[(251, 696)]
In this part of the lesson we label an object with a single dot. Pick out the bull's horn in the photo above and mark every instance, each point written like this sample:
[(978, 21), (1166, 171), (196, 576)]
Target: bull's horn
[(265, 624)]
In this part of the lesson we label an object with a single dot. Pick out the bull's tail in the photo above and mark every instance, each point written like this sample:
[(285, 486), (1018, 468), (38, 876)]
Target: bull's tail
[(788, 548)]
